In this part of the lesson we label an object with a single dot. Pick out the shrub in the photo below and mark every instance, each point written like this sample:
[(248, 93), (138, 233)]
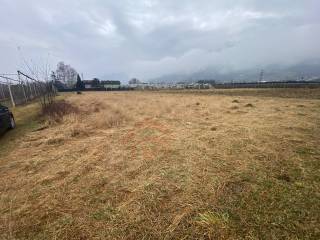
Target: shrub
[(57, 110)]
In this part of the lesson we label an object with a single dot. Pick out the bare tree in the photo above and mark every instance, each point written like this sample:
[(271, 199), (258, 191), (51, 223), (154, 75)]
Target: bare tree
[(66, 74)]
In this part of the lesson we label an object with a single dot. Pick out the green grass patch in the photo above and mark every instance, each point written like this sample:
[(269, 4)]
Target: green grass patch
[(104, 214), (305, 151), (26, 118), (273, 209)]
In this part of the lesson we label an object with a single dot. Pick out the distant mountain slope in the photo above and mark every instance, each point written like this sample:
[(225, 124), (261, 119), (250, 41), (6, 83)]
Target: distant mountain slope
[(306, 70)]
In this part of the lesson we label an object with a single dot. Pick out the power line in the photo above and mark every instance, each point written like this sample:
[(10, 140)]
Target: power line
[(25, 62), (8, 74), (8, 78)]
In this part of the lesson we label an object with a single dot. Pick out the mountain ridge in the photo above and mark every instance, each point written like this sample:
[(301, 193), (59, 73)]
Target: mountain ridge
[(306, 70)]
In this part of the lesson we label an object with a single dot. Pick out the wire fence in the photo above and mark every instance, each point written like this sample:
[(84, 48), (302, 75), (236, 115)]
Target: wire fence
[(18, 89)]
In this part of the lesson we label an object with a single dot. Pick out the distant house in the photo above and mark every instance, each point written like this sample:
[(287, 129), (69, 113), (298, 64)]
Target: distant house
[(106, 84), (110, 84), (134, 81), (137, 84), (87, 84)]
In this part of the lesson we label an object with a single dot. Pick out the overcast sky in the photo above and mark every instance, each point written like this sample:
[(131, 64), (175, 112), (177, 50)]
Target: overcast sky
[(149, 38)]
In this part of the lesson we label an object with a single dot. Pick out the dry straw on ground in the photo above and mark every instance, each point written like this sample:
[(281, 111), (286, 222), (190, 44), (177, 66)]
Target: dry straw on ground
[(148, 165)]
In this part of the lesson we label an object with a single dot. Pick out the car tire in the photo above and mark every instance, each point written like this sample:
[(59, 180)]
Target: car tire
[(12, 123)]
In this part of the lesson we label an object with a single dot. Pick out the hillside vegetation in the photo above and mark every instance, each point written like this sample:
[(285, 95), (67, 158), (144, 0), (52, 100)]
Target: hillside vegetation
[(153, 165)]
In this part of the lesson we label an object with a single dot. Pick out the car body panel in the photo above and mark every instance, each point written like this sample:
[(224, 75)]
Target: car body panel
[(5, 117)]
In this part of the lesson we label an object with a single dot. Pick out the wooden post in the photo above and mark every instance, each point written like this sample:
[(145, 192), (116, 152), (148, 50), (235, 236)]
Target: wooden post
[(11, 96)]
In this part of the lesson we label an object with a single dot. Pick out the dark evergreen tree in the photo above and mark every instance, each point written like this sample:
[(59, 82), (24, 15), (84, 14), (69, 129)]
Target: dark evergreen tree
[(79, 84)]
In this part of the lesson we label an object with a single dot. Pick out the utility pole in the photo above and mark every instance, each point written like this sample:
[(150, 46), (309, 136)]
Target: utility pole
[(261, 76)]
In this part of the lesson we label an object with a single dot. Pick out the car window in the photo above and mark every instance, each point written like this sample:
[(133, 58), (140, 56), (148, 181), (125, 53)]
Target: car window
[(3, 108)]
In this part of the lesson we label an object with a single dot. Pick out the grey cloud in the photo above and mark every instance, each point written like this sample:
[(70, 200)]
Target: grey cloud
[(148, 38)]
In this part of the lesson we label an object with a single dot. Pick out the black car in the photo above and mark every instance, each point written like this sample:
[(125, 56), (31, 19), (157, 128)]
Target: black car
[(6, 119)]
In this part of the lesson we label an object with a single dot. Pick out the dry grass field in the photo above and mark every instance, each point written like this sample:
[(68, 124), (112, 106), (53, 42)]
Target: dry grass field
[(153, 165)]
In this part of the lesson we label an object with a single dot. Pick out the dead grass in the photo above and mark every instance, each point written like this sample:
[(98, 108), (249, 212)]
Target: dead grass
[(141, 165), (26, 120), (57, 110), (305, 93), (249, 105)]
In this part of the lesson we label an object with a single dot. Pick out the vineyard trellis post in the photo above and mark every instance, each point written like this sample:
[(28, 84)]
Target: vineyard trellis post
[(23, 88), (10, 92)]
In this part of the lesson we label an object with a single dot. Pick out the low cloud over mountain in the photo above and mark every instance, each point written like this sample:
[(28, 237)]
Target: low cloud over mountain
[(151, 38)]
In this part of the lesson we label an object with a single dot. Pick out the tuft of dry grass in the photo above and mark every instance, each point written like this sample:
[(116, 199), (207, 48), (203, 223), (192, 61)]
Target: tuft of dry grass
[(58, 109), (153, 165), (249, 105)]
